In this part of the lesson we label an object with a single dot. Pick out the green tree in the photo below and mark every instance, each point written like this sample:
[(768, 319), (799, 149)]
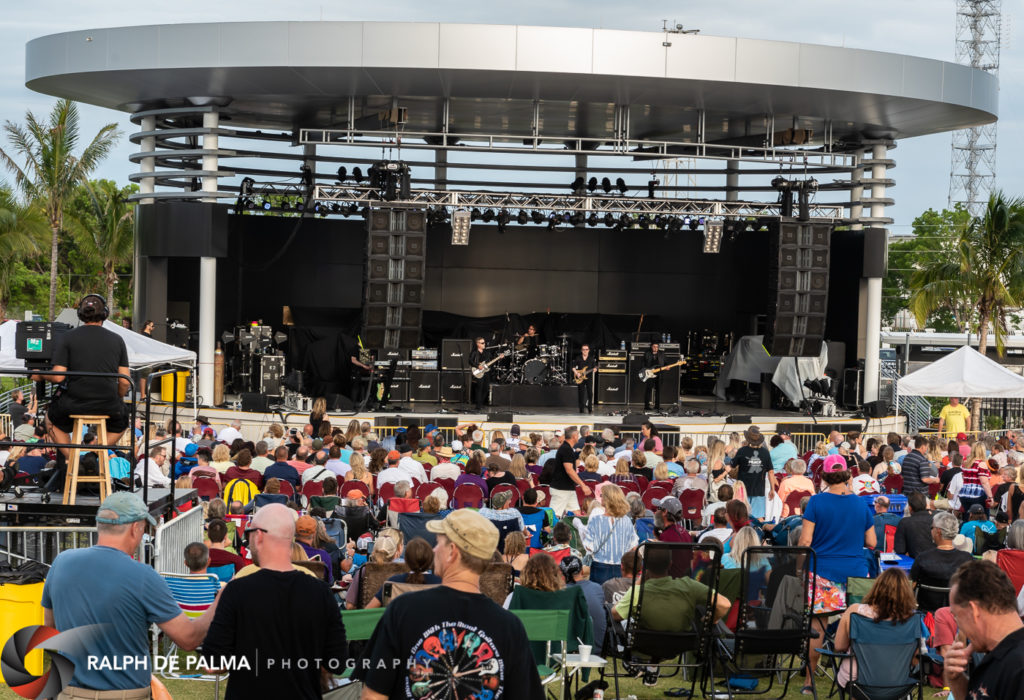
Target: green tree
[(50, 171), (103, 217), (986, 268), (934, 237), (21, 230)]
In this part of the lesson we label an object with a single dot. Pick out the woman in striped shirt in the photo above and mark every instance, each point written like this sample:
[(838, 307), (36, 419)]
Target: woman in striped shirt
[(610, 535), (976, 487)]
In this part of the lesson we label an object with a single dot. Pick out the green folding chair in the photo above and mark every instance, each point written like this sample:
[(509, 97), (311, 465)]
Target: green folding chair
[(547, 626), (359, 626)]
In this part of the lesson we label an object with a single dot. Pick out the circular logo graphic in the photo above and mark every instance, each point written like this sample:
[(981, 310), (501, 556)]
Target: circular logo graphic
[(12, 664), (455, 661)]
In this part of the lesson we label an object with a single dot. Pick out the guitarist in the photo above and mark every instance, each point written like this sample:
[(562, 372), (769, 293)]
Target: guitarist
[(585, 362), (653, 359), (479, 357)]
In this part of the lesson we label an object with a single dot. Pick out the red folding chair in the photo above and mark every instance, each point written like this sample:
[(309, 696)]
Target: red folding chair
[(424, 490), (892, 484), (641, 481), (793, 502), (693, 506), (523, 485), (312, 488), (287, 489), (662, 483), (653, 492), (502, 488), (468, 496), (628, 486), (386, 491), (404, 505), (346, 486), (206, 487), (580, 495), (447, 484)]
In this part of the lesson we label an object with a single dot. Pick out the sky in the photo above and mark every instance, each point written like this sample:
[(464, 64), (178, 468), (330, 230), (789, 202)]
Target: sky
[(915, 27)]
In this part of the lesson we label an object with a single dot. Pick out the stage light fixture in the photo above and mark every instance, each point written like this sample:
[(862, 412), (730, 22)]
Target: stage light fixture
[(592, 184), (609, 219), (474, 214), (577, 185), (694, 224), (461, 223), (620, 185), (643, 222), (353, 209), (625, 221), (488, 216), (713, 236), (266, 204), (246, 187), (576, 219), (593, 219), (357, 174), (248, 203), (536, 217), (342, 174), (606, 185), (522, 217), (503, 218), (300, 205)]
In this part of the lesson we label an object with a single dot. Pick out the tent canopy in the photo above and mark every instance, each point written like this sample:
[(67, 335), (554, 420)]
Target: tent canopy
[(965, 372), (143, 351)]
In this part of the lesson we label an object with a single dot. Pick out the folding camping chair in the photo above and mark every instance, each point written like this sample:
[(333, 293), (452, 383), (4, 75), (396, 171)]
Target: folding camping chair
[(884, 651)]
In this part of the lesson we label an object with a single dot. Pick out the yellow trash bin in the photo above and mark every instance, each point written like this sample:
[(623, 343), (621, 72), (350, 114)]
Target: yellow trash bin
[(21, 606), (167, 386)]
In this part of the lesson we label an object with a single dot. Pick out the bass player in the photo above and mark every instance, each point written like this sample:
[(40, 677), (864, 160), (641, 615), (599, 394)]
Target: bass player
[(653, 359), (583, 371)]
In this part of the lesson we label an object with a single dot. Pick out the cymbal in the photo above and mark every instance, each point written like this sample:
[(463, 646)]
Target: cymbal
[(564, 336)]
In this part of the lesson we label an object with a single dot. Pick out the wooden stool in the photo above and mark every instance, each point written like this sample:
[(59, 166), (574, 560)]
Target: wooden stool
[(72, 479)]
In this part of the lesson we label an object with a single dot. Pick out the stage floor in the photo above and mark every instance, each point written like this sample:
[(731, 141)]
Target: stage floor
[(31, 510)]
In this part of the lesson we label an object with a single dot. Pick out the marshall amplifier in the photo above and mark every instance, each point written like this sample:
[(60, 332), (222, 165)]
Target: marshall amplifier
[(399, 389), (613, 355), (455, 354), (455, 387), (611, 388), (402, 355), (423, 386)]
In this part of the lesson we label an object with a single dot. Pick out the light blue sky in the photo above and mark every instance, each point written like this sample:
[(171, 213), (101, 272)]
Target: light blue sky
[(916, 27)]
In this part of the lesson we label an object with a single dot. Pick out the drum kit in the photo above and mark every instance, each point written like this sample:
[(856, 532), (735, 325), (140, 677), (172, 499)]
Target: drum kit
[(548, 366)]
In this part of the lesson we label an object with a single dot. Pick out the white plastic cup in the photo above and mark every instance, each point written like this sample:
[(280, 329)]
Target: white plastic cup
[(585, 652)]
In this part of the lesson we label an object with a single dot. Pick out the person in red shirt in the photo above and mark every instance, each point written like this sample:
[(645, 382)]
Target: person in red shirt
[(243, 470), (217, 532), (668, 518)]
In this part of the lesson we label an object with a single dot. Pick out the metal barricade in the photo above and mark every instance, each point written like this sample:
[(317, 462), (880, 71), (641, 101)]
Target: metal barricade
[(172, 536), (42, 544)]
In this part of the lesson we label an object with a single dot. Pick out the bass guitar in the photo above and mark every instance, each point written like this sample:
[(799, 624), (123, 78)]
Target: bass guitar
[(649, 374), (479, 372), (585, 374)]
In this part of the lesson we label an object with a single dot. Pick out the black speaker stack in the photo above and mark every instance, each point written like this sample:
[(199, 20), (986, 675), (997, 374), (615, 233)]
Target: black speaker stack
[(799, 279), (395, 268), (455, 377), (611, 381)]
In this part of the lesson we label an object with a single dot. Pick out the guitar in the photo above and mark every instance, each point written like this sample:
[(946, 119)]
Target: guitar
[(585, 374), (649, 374), (479, 372)]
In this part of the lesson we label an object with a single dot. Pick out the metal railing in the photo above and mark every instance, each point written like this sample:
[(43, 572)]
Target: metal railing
[(917, 410), (42, 544), (172, 536)]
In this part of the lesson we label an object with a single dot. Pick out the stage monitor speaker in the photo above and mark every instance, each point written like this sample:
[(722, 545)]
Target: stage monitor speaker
[(635, 419), (610, 389), (739, 419), (455, 386), (424, 385), (876, 409), (799, 277), (455, 353), (255, 402)]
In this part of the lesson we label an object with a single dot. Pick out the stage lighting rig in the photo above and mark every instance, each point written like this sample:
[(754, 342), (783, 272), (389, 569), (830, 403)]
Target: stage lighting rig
[(578, 186), (522, 217), (503, 219), (342, 174), (488, 216), (461, 222), (606, 185), (713, 236), (357, 174), (391, 180), (592, 184), (536, 217), (620, 185)]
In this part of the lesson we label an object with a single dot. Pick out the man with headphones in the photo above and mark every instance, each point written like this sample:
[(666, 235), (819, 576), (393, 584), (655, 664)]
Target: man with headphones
[(88, 348)]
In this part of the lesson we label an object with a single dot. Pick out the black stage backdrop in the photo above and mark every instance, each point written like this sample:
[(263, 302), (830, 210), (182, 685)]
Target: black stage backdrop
[(592, 283)]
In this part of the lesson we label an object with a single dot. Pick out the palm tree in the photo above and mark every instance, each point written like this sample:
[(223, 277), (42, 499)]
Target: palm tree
[(986, 267), (21, 229), (107, 223), (51, 171)]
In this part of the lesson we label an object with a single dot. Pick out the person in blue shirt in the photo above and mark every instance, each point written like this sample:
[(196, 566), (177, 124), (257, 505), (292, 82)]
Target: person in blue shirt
[(113, 599), (782, 451), (978, 520)]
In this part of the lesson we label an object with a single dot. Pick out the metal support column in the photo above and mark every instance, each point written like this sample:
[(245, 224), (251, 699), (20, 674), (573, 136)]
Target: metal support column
[(208, 273), (146, 186), (873, 320)]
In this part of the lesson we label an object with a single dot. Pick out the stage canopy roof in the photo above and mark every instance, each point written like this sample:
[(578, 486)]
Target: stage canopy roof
[(965, 372)]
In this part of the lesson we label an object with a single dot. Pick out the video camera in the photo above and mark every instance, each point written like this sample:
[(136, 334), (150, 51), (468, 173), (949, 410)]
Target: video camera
[(34, 342)]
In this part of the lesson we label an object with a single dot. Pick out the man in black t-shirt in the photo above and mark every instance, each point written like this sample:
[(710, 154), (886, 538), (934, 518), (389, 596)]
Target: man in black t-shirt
[(451, 639), (653, 359), (754, 462), (585, 362), (88, 348), (528, 341), (478, 358), (936, 566), (287, 642), (564, 478)]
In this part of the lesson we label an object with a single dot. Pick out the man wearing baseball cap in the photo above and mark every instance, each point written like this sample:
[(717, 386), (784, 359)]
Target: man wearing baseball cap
[(392, 474), (103, 585), (451, 636)]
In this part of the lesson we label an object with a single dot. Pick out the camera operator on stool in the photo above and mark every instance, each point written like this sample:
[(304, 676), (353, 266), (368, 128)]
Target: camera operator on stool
[(88, 348)]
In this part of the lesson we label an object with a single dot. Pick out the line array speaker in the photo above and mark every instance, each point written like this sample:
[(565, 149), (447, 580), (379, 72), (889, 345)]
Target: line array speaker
[(394, 277), (799, 278)]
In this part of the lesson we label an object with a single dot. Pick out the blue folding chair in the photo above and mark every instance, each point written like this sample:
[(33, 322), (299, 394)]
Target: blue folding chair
[(884, 651)]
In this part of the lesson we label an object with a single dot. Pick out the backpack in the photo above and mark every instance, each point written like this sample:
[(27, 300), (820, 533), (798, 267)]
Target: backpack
[(241, 490)]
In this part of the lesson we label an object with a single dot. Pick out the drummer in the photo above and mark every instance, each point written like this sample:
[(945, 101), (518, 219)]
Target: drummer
[(528, 341)]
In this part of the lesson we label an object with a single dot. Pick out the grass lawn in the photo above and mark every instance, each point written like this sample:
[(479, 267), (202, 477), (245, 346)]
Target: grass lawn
[(202, 690)]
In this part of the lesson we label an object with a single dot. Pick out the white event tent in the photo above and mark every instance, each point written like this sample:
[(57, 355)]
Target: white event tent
[(965, 372)]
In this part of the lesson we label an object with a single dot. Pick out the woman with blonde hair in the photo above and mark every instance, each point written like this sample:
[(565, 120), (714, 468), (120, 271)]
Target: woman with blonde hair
[(741, 541), (221, 459), (717, 469), (639, 466), (590, 466), (386, 548), (274, 437), (515, 552), (352, 431), (661, 472), (318, 414), (735, 443), (358, 472), (518, 467), (610, 535), (621, 472)]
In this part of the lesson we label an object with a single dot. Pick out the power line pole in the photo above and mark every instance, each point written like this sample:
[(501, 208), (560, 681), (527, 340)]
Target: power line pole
[(973, 171)]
